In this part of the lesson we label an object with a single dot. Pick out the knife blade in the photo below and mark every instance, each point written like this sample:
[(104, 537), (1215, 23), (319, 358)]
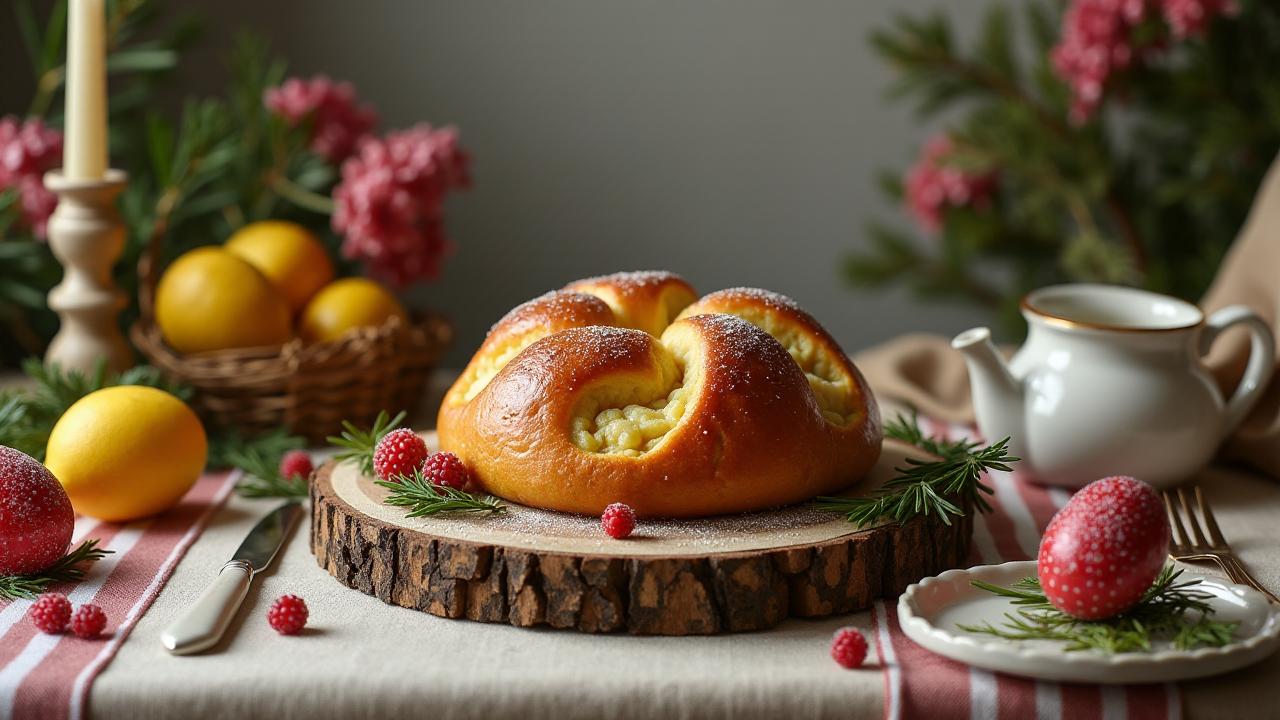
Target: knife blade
[(204, 623)]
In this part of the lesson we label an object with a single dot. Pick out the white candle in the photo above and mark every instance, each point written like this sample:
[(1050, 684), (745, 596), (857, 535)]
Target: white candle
[(84, 155)]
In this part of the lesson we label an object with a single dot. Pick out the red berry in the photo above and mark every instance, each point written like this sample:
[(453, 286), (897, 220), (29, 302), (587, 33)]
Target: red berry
[(288, 615), (398, 454), (296, 464), (36, 519), (51, 612), (848, 648), (618, 521), (445, 468), (1104, 548), (89, 621)]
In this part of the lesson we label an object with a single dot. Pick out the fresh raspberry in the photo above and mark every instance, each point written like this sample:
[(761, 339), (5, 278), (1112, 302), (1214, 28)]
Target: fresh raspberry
[(618, 521), (89, 621), (445, 468), (1104, 548), (296, 464), (51, 612), (398, 454), (848, 648), (288, 615)]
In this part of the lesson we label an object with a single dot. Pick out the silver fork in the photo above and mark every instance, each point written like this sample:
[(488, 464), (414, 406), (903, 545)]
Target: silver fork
[(1194, 546)]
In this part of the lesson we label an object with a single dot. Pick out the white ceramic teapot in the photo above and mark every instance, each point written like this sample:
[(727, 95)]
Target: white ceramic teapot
[(1110, 382)]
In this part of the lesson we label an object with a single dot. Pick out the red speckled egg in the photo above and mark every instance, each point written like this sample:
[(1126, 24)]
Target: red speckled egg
[(36, 520)]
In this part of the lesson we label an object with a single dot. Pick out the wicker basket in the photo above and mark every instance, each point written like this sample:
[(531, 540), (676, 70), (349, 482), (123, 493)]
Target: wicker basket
[(308, 389)]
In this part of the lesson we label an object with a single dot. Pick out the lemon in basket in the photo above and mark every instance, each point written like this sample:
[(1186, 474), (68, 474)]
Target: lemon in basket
[(209, 299), (345, 304), (126, 452), (288, 254)]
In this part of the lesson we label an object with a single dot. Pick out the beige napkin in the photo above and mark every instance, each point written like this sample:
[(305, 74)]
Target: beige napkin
[(923, 370)]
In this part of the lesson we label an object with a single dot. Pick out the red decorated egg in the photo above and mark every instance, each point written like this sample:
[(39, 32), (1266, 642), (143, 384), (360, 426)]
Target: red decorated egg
[(36, 519), (1104, 548)]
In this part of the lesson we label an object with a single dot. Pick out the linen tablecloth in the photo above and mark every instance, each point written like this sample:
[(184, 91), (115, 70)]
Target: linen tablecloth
[(360, 658)]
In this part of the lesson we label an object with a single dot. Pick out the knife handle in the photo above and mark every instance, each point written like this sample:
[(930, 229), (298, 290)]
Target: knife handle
[(203, 624)]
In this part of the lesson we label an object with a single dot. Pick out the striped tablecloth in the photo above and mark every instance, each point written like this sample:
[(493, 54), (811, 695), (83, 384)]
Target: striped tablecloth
[(468, 670), (919, 684), (49, 676)]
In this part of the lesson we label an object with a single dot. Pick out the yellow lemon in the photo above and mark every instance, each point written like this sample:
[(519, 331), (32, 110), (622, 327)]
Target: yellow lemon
[(345, 304), (126, 452), (209, 299), (288, 254)]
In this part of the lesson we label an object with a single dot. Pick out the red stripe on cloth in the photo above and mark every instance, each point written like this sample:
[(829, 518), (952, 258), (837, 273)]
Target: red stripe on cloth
[(20, 632), (49, 690), (931, 686), (1081, 701)]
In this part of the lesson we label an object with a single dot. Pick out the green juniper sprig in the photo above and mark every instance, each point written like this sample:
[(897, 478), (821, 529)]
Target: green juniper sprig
[(424, 497), (68, 569), (1171, 609), (928, 487), (262, 478), (358, 445), (28, 415)]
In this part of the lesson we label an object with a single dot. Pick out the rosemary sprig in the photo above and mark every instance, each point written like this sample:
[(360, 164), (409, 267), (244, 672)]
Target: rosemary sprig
[(424, 497), (927, 487), (68, 569), (1171, 609), (358, 445)]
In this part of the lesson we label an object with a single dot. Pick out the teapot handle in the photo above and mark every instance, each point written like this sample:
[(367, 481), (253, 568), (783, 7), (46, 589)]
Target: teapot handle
[(1262, 355)]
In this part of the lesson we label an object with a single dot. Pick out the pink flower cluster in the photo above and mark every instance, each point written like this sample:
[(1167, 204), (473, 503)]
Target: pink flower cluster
[(1098, 40), (1188, 18), (932, 186), (389, 204), (338, 122), (28, 149)]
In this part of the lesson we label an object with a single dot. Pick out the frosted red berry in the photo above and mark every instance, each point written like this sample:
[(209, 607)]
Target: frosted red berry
[(1104, 548), (36, 520), (89, 621), (618, 520), (848, 648), (398, 454), (296, 464), (288, 615), (445, 468), (51, 612)]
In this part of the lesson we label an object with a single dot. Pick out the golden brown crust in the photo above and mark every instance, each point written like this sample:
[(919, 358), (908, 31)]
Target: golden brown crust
[(647, 300), (753, 433)]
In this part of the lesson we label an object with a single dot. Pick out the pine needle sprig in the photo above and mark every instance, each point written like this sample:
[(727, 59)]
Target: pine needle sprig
[(358, 445), (27, 415), (1171, 610), (262, 478), (942, 486), (424, 497), (69, 569)]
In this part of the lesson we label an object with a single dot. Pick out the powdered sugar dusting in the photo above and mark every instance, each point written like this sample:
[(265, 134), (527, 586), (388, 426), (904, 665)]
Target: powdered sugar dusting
[(727, 533), (558, 308), (630, 282), (36, 520)]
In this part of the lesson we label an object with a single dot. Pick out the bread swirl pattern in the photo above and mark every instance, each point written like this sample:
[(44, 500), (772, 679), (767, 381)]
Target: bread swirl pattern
[(627, 388)]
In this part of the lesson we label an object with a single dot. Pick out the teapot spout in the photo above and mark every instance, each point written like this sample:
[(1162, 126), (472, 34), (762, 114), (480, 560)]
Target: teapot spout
[(997, 395)]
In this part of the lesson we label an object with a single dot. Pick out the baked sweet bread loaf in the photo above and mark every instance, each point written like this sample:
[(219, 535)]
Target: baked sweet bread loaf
[(628, 388)]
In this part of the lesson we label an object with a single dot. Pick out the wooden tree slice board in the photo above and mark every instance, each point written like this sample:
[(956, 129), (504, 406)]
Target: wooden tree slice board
[(532, 567)]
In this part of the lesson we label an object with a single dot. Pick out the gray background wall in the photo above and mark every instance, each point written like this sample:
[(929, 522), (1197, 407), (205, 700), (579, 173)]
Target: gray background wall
[(732, 141)]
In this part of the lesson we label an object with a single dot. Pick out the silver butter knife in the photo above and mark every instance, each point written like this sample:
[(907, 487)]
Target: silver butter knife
[(203, 624)]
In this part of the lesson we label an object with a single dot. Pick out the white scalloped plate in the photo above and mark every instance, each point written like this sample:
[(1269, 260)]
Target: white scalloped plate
[(930, 611)]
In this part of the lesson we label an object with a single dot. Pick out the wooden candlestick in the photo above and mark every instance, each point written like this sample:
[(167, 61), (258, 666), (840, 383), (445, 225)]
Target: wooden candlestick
[(86, 236)]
